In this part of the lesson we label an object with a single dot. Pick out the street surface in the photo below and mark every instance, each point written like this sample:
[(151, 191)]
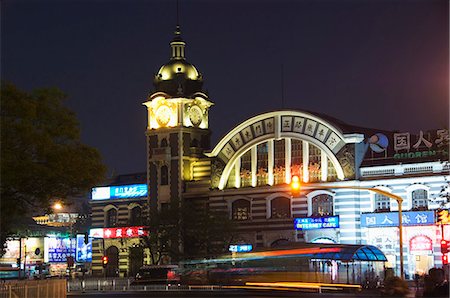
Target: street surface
[(215, 293)]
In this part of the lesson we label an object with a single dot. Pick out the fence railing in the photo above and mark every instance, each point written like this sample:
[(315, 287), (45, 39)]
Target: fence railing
[(125, 284), (49, 288)]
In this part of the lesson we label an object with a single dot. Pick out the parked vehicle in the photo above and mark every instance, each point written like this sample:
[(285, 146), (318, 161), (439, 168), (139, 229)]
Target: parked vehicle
[(158, 274)]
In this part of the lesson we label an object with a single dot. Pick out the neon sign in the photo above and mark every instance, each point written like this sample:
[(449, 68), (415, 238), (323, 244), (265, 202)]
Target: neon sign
[(126, 232), (420, 242), (119, 192), (240, 248), (390, 219), (309, 223), (58, 249), (84, 251)]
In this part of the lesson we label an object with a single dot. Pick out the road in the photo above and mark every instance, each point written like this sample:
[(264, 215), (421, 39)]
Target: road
[(215, 293)]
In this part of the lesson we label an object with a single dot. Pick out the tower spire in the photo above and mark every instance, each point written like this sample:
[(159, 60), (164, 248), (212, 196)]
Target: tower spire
[(177, 43)]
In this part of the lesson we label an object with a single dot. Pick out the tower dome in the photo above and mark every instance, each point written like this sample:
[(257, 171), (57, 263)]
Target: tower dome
[(178, 78)]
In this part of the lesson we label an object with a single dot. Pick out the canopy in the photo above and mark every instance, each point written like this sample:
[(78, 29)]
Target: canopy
[(341, 252)]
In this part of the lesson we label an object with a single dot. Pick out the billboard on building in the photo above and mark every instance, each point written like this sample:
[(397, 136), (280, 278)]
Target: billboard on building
[(56, 250), (313, 223), (390, 219), (119, 192), (84, 250), (125, 232)]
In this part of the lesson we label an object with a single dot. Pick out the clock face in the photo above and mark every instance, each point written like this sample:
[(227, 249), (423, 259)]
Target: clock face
[(163, 114), (196, 115)]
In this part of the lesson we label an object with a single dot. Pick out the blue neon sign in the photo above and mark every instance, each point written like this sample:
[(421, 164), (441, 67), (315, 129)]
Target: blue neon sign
[(84, 251), (390, 219), (59, 249), (240, 248), (309, 223), (119, 192)]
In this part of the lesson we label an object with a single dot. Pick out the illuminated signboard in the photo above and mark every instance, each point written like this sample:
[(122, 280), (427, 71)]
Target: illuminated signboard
[(119, 192), (56, 250), (390, 219), (84, 251), (420, 242), (126, 232), (309, 223), (240, 248)]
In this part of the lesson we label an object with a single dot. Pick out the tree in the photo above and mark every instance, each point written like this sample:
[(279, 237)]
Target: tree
[(206, 232), (199, 231), (42, 157)]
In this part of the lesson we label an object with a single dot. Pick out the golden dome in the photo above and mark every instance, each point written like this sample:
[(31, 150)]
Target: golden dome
[(176, 68)]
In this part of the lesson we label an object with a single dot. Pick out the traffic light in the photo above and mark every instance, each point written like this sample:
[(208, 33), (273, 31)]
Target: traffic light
[(104, 261), (444, 246), (444, 259), (295, 186), (443, 217), (70, 261)]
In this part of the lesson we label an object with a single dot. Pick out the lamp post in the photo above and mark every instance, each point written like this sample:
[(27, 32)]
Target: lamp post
[(398, 199), (57, 207)]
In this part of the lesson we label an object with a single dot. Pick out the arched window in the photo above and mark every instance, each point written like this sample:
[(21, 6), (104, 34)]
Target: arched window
[(164, 143), (164, 175), (111, 217), (419, 199), (280, 208), (322, 205), (240, 210), (136, 216), (382, 203)]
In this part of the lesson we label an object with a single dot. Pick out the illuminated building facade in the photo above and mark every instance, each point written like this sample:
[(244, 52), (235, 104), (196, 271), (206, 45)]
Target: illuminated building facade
[(118, 212), (248, 172)]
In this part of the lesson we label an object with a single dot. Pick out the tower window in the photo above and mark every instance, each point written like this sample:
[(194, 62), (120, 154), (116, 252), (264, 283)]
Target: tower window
[(164, 143), (164, 175)]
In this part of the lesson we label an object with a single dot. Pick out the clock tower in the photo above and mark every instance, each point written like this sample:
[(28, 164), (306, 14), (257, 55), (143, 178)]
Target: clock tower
[(177, 127)]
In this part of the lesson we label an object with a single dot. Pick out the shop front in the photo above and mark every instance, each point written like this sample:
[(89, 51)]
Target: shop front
[(421, 239)]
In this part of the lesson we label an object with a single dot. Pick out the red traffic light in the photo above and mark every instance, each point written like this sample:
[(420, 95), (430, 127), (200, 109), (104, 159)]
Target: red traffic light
[(444, 259), (295, 186), (444, 246)]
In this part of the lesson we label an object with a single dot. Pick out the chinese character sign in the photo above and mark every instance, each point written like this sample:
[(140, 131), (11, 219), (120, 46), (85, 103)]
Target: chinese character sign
[(125, 232), (119, 192), (308, 223), (390, 219), (58, 249), (420, 242)]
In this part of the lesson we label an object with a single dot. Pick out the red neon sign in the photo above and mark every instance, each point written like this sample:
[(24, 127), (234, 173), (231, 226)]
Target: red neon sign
[(420, 243), (125, 232)]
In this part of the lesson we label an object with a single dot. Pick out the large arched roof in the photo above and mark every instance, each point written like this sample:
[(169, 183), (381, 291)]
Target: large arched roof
[(277, 125)]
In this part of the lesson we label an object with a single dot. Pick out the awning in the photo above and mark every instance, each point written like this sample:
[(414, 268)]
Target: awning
[(341, 252)]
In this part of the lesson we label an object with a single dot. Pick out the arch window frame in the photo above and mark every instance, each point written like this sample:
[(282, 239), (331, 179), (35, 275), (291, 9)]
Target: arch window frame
[(131, 221), (239, 215), (164, 175), (280, 214), (311, 195), (410, 196), (107, 221)]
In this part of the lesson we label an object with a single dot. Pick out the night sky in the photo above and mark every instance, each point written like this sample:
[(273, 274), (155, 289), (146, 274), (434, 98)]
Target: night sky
[(379, 64)]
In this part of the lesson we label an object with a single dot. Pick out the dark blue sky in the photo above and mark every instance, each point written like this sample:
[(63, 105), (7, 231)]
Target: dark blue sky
[(381, 64)]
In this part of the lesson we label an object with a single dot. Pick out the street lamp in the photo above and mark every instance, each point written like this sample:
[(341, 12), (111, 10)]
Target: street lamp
[(295, 189), (58, 207)]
